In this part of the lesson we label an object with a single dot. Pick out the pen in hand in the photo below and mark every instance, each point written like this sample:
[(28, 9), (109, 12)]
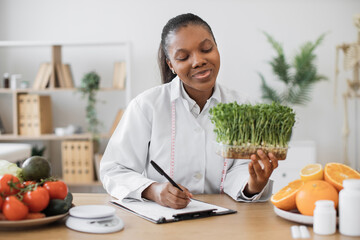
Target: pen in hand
[(157, 168)]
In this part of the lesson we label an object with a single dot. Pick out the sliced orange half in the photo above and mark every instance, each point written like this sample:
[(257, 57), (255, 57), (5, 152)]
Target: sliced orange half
[(285, 197), (312, 172), (336, 173)]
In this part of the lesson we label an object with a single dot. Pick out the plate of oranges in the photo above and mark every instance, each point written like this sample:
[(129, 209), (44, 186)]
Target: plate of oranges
[(296, 201)]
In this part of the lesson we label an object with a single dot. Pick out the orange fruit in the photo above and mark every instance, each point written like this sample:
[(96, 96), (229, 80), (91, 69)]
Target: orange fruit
[(336, 173), (312, 172), (285, 197), (313, 191)]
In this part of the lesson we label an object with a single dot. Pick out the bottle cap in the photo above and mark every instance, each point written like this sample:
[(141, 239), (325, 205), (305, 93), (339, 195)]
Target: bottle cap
[(351, 184), (324, 203)]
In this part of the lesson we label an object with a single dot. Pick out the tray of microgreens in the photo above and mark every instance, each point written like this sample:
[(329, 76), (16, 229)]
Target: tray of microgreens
[(242, 129)]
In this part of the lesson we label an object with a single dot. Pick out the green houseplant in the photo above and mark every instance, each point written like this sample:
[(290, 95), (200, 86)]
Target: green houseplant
[(88, 88), (298, 76), (37, 151)]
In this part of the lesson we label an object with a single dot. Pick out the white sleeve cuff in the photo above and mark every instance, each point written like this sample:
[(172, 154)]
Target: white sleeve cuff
[(262, 196), (138, 192)]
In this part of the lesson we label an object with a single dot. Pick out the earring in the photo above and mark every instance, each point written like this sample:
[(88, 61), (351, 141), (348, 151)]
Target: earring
[(173, 71)]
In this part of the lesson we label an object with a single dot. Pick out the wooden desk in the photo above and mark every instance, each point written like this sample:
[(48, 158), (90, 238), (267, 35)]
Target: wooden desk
[(252, 221)]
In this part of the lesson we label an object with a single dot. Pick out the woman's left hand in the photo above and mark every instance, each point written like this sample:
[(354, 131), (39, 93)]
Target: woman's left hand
[(259, 175)]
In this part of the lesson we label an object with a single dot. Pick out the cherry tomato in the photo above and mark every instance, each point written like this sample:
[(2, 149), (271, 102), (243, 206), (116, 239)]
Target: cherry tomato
[(9, 185), (57, 189), (27, 183), (37, 200), (14, 209)]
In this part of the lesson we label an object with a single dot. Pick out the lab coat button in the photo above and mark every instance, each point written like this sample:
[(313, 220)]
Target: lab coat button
[(198, 176)]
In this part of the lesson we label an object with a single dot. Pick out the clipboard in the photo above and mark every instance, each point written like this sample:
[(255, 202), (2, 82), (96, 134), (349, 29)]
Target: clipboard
[(156, 213)]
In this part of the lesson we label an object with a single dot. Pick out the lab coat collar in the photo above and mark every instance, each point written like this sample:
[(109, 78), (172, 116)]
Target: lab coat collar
[(176, 91)]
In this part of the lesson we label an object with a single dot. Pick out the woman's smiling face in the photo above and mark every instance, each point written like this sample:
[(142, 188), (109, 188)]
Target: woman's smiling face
[(194, 56)]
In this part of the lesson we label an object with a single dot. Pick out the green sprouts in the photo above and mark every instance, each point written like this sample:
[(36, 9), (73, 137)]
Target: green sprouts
[(267, 125)]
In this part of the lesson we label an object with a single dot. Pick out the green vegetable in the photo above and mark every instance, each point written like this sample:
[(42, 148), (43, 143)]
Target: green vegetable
[(10, 168), (265, 126), (36, 168), (56, 207), (68, 199)]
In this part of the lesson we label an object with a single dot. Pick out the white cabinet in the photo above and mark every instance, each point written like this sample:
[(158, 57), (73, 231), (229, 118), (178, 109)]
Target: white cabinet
[(300, 153)]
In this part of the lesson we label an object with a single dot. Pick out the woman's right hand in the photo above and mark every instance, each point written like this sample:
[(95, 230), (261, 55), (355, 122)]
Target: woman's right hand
[(167, 195)]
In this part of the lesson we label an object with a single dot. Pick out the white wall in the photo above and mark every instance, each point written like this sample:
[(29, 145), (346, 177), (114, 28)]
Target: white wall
[(237, 25)]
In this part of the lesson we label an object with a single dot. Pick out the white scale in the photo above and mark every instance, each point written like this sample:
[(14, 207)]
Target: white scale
[(94, 219)]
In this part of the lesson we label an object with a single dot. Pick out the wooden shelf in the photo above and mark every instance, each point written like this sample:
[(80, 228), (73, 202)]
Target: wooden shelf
[(13, 137), (94, 183), (49, 90), (59, 43)]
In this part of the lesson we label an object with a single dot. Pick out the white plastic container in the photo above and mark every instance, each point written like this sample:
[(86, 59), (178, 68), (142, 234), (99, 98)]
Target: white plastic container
[(324, 217), (14, 81), (349, 208)]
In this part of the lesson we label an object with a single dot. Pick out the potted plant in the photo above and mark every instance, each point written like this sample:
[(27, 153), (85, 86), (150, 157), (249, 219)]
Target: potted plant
[(243, 129), (89, 86), (298, 76)]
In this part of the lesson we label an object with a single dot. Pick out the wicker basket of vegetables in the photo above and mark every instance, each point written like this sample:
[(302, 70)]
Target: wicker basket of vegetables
[(243, 129)]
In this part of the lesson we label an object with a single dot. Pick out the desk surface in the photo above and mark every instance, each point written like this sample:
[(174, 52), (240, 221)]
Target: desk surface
[(252, 221)]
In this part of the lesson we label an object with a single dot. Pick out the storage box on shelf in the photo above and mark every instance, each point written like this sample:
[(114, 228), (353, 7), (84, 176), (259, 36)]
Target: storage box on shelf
[(35, 115), (53, 77), (77, 161)]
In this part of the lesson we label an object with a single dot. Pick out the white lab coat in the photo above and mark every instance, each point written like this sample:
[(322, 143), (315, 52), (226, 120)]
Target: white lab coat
[(144, 134)]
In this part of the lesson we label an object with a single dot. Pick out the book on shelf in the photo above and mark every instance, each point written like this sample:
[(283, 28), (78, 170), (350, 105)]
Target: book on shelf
[(116, 121), (66, 69), (39, 76), (42, 76), (119, 76), (62, 79), (46, 79)]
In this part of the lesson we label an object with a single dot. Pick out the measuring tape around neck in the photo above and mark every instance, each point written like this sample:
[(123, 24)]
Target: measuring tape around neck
[(172, 157)]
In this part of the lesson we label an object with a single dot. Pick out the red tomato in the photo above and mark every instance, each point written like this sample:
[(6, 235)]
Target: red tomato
[(1, 202), (9, 185), (57, 189), (27, 183), (37, 200), (14, 209)]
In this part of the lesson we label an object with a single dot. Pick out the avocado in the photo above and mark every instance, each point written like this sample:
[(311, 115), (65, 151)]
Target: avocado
[(36, 168)]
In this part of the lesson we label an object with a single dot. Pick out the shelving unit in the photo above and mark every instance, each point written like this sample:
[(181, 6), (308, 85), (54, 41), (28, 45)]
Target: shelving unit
[(15, 136), (13, 133), (43, 137)]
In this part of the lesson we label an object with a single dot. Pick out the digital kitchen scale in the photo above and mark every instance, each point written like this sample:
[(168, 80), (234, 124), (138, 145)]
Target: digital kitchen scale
[(94, 219)]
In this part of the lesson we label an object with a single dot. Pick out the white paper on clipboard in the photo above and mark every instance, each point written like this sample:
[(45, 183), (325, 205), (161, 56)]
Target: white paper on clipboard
[(160, 214)]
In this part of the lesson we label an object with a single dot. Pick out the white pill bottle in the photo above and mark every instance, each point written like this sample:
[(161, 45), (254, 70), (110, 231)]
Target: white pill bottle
[(349, 208), (324, 217)]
